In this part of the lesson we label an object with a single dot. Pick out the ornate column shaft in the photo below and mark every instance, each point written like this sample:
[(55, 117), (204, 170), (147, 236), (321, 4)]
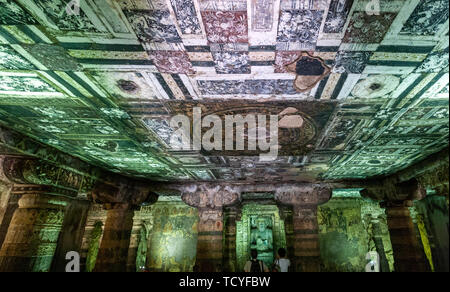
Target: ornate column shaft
[(113, 252), (230, 260), (306, 238), (33, 233), (210, 201), (11, 203), (209, 242), (72, 231), (408, 257), (304, 201)]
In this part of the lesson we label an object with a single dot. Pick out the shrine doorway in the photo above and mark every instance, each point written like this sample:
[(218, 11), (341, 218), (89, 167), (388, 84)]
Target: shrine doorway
[(260, 228)]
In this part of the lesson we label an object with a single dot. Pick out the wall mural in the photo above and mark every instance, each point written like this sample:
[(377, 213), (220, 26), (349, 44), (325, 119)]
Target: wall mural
[(349, 228), (173, 238)]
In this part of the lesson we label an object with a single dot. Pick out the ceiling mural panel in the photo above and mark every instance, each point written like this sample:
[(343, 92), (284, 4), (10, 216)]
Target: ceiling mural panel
[(104, 84)]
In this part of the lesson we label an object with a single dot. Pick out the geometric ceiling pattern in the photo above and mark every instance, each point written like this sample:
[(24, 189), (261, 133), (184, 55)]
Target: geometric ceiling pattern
[(102, 82)]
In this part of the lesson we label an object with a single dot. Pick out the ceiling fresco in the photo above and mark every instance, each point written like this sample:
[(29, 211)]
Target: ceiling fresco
[(103, 83)]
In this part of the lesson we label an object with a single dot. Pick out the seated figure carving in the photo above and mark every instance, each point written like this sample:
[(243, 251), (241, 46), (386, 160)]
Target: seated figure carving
[(262, 240)]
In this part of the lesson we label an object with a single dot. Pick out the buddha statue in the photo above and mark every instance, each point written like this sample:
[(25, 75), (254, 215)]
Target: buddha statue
[(262, 240)]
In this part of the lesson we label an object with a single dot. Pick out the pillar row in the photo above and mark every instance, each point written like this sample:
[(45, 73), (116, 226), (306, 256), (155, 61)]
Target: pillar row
[(32, 236)]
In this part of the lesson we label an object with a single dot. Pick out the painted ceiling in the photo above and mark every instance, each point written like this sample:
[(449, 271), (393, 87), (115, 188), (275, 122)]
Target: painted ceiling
[(101, 83)]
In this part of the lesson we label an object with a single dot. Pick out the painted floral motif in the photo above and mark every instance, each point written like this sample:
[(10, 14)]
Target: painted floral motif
[(153, 26), (224, 5), (377, 86), (232, 62), (299, 26), (51, 112), (174, 62), (231, 87), (284, 58), (24, 84), (11, 60), (125, 84), (53, 57), (262, 15), (162, 128), (368, 29), (186, 16), (143, 4), (12, 14), (337, 15), (428, 18), (351, 62), (56, 11), (435, 62), (226, 27), (304, 4)]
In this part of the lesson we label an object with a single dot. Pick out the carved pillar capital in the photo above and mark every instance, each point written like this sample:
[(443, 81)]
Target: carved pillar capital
[(42, 201), (388, 190), (210, 197), (312, 194), (123, 192), (31, 171)]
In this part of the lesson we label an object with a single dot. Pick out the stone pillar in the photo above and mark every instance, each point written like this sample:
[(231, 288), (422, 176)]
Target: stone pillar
[(32, 236), (304, 201), (120, 197), (230, 260), (435, 216), (286, 216), (10, 204), (408, 257), (209, 242), (210, 200), (133, 248), (306, 238), (113, 252), (72, 232)]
